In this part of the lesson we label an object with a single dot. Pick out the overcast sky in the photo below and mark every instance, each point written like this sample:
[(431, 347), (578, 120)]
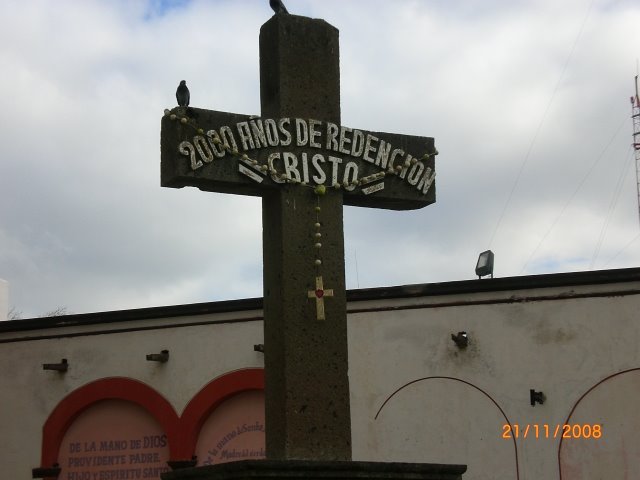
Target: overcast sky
[(528, 102)]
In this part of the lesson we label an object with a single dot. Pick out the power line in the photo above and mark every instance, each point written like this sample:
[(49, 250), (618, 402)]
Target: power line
[(573, 195), (622, 250), (539, 128), (612, 205)]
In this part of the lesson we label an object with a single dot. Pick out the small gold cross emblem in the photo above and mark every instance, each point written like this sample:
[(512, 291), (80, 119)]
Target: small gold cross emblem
[(319, 293)]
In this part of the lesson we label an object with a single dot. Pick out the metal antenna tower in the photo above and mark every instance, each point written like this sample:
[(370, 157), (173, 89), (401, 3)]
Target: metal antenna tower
[(635, 118)]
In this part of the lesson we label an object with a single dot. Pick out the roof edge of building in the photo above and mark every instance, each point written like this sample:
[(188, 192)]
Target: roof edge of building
[(354, 295)]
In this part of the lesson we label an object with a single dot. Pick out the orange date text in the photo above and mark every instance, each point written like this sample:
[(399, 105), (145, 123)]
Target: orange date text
[(544, 430)]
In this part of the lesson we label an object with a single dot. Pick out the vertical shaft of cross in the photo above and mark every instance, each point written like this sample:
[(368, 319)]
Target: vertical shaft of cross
[(306, 360)]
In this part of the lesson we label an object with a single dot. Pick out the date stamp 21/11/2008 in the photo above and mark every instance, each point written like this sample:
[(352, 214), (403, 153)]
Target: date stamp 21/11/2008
[(544, 430)]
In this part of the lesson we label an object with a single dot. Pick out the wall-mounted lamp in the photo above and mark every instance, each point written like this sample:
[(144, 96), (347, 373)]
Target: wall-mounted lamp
[(536, 397), (461, 339), (46, 472), (161, 357), (62, 367), (484, 266), (259, 348)]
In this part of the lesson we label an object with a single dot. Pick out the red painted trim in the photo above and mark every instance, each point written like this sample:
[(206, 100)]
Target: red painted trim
[(106, 389), (568, 420), (208, 399), (182, 432)]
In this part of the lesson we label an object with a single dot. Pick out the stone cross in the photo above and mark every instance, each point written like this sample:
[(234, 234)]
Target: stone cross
[(305, 166)]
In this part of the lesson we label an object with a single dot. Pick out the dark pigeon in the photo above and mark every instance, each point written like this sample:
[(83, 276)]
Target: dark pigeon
[(182, 94), (278, 6)]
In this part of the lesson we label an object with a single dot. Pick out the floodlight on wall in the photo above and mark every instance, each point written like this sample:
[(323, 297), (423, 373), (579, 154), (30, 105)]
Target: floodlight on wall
[(484, 266), (536, 397), (61, 367), (461, 339), (161, 357), (259, 348), (46, 472)]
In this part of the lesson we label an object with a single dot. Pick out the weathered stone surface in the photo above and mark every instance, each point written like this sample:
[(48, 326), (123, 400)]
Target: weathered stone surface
[(308, 470), (306, 362)]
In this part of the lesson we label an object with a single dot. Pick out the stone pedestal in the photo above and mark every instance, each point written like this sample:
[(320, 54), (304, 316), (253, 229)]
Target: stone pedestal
[(318, 470)]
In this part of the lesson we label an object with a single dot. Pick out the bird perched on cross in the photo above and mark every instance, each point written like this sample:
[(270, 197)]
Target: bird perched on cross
[(182, 94), (278, 6)]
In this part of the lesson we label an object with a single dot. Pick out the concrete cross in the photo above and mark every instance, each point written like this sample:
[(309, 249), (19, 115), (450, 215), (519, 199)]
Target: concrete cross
[(305, 166)]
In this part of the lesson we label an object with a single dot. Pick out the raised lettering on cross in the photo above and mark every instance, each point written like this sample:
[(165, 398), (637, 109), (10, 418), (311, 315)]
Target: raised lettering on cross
[(305, 166)]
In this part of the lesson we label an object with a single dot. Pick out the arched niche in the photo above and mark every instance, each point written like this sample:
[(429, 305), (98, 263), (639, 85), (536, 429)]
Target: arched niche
[(600, 439), (230, 406), (110, 424), (445, 420)]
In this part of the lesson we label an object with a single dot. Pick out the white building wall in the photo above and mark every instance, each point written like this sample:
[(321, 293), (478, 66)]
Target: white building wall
[(28, 394), (565, 341), (550, 340)]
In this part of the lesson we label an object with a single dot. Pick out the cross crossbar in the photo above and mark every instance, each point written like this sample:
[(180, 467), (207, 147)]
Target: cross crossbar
[(242, 154)]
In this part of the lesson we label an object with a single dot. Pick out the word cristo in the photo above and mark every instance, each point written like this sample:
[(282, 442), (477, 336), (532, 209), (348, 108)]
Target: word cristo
[(256, 134)]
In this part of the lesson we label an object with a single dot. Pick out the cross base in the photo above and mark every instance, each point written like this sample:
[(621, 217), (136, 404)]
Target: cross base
[(318, 470)]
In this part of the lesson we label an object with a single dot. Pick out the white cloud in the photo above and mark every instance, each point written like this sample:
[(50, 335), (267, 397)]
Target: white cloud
[(83, 220)]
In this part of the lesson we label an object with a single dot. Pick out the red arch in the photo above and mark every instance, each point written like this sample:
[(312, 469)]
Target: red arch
[(182, 433), (115, 388), (207, 399)]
